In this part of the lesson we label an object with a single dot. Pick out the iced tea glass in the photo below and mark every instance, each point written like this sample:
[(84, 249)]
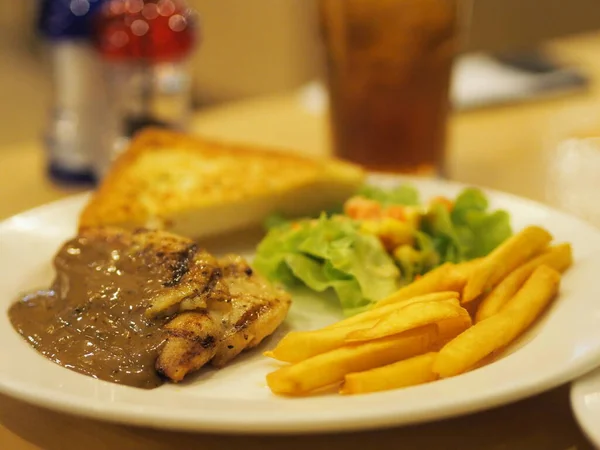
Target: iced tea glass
[(389, 64)]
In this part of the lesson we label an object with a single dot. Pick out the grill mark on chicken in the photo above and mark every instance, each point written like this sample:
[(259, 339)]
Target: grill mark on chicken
[(198, 345), (249, 316), (204, 341), (214, 277), (182, 266)]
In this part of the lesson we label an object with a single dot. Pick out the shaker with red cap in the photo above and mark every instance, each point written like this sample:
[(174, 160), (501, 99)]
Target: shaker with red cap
[(145, 47)]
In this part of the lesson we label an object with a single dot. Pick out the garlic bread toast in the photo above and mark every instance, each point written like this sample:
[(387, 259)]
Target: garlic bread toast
[(197, 187)]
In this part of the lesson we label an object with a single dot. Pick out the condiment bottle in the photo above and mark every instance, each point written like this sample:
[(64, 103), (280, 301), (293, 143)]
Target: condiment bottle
[(144, 46), (74, 133)]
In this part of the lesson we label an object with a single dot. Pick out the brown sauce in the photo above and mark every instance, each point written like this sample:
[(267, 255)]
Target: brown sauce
[(92, 319)]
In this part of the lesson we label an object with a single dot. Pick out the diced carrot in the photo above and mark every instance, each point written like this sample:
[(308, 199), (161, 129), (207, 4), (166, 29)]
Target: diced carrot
[(362, 208), (397, 212), (445, 202)]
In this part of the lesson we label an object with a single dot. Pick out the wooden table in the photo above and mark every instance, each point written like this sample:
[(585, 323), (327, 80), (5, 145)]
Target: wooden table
[(505, 148)]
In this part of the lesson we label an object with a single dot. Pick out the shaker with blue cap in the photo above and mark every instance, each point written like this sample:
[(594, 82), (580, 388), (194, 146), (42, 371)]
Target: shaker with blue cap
[(75, 127)]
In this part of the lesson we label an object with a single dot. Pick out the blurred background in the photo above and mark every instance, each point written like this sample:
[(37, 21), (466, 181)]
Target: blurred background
[(259, 47), (524, 97), (527, 79)]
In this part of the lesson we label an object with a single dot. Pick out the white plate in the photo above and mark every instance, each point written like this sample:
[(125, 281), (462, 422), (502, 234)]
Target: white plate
[(585, 400), (561, 347)]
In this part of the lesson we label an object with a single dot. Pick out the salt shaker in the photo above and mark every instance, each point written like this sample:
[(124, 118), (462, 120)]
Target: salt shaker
[(74, 132)]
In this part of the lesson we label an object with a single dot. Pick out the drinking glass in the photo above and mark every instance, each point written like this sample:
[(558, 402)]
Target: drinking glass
[(389, 64)]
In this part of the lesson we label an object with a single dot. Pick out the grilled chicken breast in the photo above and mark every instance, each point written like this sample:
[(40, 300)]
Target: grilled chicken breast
[(218, 335), (129, 306)]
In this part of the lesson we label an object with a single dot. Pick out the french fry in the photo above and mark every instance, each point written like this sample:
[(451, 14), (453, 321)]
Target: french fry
[(407, 318), (378, 313), (559, 258), (534, 296), (467, 267), (450, 328), (329, 368), (504, 259), (442, 278), (472, 306), (468, 348), (477, 282), (299, 345), (408, 372)]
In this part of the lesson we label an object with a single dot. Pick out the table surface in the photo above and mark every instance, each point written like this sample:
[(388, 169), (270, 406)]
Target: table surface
[(506, 148)]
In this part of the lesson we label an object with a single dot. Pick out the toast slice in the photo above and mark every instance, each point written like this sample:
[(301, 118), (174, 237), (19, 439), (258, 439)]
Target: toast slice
[(197, 188)]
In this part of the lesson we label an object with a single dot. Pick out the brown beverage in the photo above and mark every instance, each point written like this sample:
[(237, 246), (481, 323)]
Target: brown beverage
[(389, 64)]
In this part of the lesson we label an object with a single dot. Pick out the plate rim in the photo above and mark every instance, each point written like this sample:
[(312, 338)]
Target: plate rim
[(579, 409)]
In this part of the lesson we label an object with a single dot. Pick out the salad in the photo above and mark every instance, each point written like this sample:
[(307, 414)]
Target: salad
[(377, 241)]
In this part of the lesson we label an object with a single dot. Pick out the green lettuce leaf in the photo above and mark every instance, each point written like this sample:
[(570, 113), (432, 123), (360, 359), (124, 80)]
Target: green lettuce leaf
[(417, 260), (469, 231), (400, 195), (481, 230), (329, 253)]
